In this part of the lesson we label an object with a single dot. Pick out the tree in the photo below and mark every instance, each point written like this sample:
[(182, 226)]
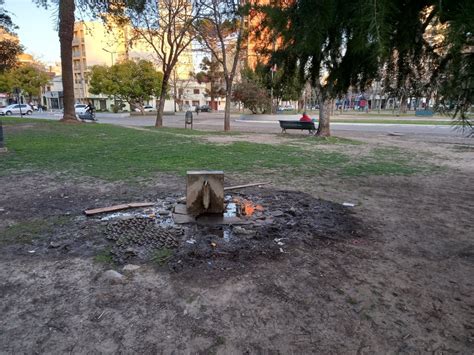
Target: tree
[(221, 29), (30, 79), (66, 18), (429, 49), (9, 44), (252, 95), (331, 43), (132, 81), (211, 74), (285, 87), (6, 82), (166, 27), (454, 78)]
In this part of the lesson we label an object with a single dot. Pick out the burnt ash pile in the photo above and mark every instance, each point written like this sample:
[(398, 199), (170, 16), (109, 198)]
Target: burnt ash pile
[(264, 224)]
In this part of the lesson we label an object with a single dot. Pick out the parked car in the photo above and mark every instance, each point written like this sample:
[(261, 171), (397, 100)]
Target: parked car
[(15, 110), (205, 108), (146, 108), (286, 108), (80, 108)]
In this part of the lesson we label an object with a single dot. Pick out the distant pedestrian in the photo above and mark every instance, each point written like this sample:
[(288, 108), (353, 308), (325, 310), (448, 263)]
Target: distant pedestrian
[(197, 110)]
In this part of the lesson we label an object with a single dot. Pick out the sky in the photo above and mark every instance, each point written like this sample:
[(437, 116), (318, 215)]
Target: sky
[(36, 29)]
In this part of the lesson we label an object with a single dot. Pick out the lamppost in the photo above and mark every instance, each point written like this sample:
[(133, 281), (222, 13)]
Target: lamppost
[(111, 55), (112, 63)]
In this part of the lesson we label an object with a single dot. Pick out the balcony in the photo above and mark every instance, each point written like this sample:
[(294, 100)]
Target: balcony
[(77, 41)]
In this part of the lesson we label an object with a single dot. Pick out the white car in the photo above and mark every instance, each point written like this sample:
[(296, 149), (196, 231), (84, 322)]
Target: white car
[(146, 108), (15, 110), (80, 108)]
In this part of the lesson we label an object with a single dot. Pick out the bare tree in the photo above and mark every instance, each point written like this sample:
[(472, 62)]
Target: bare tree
[(165, 27), (221, 29)]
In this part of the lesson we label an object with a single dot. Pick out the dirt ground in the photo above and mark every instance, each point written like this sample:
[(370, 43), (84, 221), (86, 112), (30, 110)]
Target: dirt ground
[(403, 283)]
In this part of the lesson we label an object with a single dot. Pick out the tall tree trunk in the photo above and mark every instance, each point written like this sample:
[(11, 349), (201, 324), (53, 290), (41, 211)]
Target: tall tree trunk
[(212, 97), (66, 34), (324, 117), (403, 105), (228, 96), (161, 105)]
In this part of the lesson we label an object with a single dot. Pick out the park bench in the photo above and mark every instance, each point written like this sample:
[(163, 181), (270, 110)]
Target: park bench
[(309, 126)]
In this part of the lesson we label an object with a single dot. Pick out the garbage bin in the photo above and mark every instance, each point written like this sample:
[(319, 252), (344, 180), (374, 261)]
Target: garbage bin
[(188, 119)]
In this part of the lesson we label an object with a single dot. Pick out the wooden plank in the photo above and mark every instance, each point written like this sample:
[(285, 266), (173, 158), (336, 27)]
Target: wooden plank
[(244, 186), (117, 207), (140, 204)]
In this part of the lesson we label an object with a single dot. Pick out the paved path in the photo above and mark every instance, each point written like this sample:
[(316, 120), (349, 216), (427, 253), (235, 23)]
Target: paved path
[(215, 121)]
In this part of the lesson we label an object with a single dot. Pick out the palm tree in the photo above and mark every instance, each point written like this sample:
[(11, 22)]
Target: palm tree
[(66, 34)]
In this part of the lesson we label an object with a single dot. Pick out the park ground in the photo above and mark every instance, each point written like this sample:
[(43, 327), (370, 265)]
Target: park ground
[(402, 283)]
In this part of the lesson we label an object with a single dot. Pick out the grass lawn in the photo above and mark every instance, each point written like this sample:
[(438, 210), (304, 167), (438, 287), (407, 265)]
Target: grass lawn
[(115, 153), (393, 121)]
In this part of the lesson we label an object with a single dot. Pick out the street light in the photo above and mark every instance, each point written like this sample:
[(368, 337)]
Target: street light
[(111, 55)]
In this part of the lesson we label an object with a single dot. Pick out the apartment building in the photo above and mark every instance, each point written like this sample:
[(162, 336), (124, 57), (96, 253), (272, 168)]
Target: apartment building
[(97, 44)]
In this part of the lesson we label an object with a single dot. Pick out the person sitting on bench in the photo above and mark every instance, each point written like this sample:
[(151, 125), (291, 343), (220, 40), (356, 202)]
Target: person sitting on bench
[(305, 118)]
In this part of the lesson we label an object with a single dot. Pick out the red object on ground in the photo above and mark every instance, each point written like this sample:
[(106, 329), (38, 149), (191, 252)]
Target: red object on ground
[(305, 118)]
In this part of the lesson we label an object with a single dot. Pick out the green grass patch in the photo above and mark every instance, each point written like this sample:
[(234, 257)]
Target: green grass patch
[(8, 120), (387, 161), (162, 256), (324, 140), (27, 231), (393, 121), (193, 132), (121, 154), (104, 257)]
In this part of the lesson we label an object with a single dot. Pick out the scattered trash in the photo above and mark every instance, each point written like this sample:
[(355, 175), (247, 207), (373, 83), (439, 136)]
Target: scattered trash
[(191, 241), (213, 244), (348, 204), (395, 134), (31, 251), (281, 250), (130, 267), (241, 230), (112, 276), (100, 316), (2, 210), (279, 241), (54, 244)]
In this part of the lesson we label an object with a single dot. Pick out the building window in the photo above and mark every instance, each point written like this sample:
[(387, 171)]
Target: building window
[(196, 91), (195, 103), (180, 91)]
